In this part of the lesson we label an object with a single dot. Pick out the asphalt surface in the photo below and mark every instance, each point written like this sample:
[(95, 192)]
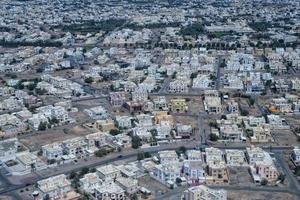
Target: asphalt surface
[(11, 189)]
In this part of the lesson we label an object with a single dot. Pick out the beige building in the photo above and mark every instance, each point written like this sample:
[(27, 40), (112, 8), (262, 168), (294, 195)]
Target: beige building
[(202, 192), (178, 105), (55, 187), (217, 170)]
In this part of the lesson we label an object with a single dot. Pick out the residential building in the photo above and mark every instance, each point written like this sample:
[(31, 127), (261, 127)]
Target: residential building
[(89, 182), (212, 104), (108, 173), (203, 192), (166, 173), (178, 86), (178, 105), (139, 95), (130, 185), (105, 125), (184, 131), (277, 122), (296, 156), (160, 103), (202, 81), (117, 99), (261, 165), (261, 134), (8, 149), (235, 158), (229, 131), (54, 187), (167, 157), (109, 191), (232, 106), (194, 171), (74, 146), (217, 170), (98, 112), (52, 151), (123, 121)]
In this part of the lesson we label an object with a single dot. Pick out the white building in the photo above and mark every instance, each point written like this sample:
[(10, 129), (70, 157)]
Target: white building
[(235, 157), (296, 155), (54, 187), (166, 157), (8, 149), (108, 173), (178, 86), (202, 192), (109, 191), (123, 121), (89, 182), (166, 173), (98, 112), (52, 151)]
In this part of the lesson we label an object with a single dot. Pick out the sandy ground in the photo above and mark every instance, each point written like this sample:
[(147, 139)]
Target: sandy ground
[(285, 137), (240, 176), (53, 135), (246, 195)]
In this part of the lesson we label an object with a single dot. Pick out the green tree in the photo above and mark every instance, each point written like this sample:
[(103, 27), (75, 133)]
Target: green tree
[(72, 175), (244, 112), (84, 171), (140, 156), (281, 177), (297, 171), (264, 182), (42, 126), (101, 153), (147, 155), (92, 170), (174, 75), (213, 137), (31, 86), (182, 149), (40, 91), (114, 132), (178, 180), (193, 75), (51, 161), (251, 101), (136, 142), (89, 80), (54, 120)]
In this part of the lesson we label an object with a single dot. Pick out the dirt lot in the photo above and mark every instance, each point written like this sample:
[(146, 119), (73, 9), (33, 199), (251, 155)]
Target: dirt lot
[(195, 105), (244, 104), (293, 121), (53, 135), (153, 185), (285, 137), (247, 195), (81, 105), (5, 198), (240, 176), (186, 120)]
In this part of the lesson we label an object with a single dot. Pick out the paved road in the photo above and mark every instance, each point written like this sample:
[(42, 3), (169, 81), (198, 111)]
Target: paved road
[(92, 162), (202, 131), (257, 189), (90, 98), (293, 183), (9, 111), (131, 153), (190, 94), (165, 86), (218, 72)]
